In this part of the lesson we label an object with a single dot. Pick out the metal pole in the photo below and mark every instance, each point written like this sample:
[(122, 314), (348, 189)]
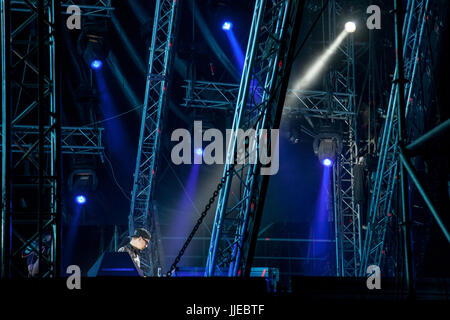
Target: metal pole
[(58, 135), (414, 146), (398, 14), (6, 140), (424, 195)]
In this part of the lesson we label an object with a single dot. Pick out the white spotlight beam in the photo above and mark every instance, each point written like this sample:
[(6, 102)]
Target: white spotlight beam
[(313, 72)]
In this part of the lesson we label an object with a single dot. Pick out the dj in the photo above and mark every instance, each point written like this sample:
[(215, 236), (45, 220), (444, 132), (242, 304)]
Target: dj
[(139, 241)]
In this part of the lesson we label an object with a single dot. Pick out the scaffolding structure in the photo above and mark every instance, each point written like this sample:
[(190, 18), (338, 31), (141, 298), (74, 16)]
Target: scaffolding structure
[(159, 63), (347, 211), (380, 211), (74, 140), (258, 107), (336, 104), (33, 140), (30, 97)]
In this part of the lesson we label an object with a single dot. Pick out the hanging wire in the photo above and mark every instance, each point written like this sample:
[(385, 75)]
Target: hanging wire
[(114, 178)]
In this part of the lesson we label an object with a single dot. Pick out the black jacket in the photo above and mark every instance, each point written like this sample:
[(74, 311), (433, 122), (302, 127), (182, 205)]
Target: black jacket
[(134, 254)]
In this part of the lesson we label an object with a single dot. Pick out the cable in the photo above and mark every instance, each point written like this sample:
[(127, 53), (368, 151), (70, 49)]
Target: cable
[(200, 220), (114, 177), (114, 117)]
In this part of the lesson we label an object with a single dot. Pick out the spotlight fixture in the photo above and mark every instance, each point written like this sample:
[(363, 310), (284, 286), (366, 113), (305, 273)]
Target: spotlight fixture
[(93, 44), (350, 27), (327, 162), (82, 180), (227, 26), (327, 151), (327, 145)]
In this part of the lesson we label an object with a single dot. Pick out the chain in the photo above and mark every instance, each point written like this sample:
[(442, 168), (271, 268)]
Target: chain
[(200, 220)]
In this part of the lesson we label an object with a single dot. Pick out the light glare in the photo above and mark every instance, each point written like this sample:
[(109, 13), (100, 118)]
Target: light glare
[(327, 162), (96, 64), (227, 26), (350, 27), (314, 71), (80, 199)]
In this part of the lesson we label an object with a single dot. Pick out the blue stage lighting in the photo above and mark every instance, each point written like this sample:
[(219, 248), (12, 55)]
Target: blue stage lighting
[(199, 151), (227, 26), (327, 162), (96, 64), (80, 199)]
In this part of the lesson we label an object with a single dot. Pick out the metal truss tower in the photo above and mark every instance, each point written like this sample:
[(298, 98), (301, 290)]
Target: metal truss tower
[(337, 105), (347, 214), (31, 171), (159, 62), (380, 213), (241, 199), (74, 140)]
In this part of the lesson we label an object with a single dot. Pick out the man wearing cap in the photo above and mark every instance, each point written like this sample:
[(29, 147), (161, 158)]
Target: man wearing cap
[(139, 241)]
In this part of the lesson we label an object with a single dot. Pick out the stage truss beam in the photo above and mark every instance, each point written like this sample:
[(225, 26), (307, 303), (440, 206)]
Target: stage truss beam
[(341, 81), (337, 104), (223, 96), (159, 65), (241, 200), (31, 87), (380, 212), (74, 140)]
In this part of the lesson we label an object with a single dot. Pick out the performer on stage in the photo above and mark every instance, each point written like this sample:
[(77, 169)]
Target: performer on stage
[(33, 257), (139, 241)]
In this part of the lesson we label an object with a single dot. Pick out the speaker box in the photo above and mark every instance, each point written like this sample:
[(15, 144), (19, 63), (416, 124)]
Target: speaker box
[(111, 264)]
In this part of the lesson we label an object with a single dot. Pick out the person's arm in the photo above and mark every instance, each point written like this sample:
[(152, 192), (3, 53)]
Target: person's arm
[(34, 268)]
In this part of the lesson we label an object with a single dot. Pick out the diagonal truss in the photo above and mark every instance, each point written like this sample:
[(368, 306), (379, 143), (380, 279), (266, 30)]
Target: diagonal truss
[(30, 98), (210, 95), (223, 96), (155, 98), (74, 140), (241, 199), (380, 213)]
